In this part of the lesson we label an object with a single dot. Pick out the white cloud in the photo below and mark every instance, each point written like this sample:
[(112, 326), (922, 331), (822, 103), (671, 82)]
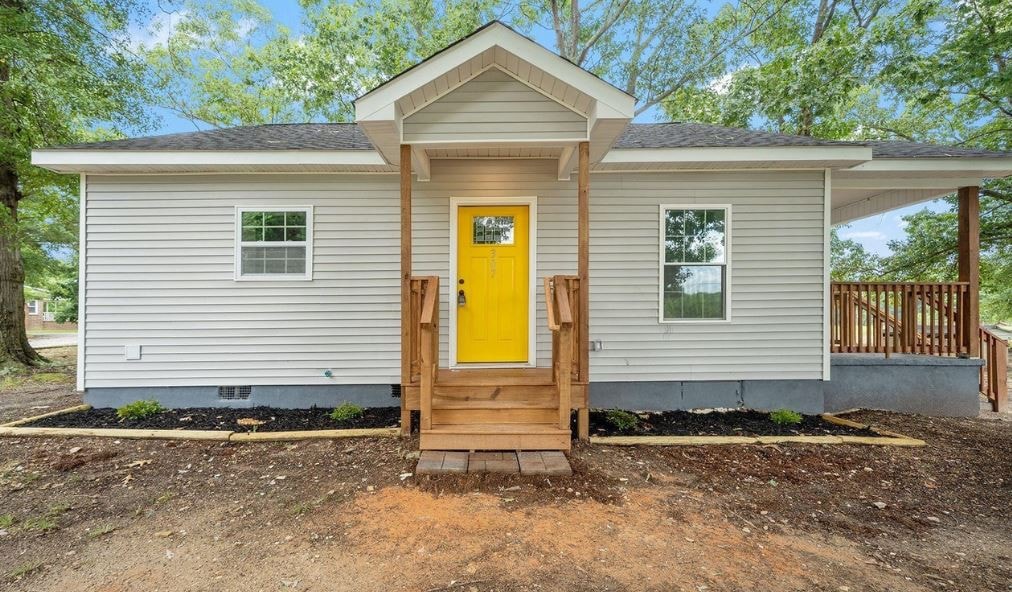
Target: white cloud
[(864, 234), (721, 85), (157, 31)]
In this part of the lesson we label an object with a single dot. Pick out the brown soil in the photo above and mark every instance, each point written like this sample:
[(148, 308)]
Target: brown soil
[(106, 515)]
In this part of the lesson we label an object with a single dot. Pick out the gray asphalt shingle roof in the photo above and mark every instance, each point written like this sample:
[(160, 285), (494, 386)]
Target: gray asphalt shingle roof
[(348, 136)]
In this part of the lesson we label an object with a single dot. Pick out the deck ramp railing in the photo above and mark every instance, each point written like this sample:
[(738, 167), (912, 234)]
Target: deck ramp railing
[(994, 372), (915, 318), (887, 318)]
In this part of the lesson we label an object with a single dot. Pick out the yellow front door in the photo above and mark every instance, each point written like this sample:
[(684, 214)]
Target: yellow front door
[(491, 291)]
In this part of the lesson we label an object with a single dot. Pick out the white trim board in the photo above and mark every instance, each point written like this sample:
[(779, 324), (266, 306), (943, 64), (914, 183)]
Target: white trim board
[(77, 159), (532, 264), (827, 213), (82, 280)]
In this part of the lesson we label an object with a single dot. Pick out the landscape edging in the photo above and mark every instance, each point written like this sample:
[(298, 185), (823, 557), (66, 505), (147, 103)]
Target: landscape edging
[(16, 428), (885, 438)]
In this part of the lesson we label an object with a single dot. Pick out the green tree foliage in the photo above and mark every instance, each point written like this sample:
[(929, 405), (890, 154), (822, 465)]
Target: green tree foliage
[(229, 63), (850, 261), (812, 68), (653, 50), (64, 68), (921, 70)]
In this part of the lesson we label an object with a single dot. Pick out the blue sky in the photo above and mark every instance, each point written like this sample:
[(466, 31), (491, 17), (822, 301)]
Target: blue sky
[(874, 232)]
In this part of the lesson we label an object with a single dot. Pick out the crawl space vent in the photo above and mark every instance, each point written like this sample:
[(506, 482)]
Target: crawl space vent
[(395, 391), (234, 393)]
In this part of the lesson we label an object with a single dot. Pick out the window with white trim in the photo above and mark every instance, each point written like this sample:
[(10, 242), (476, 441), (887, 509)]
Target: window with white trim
[(33, 307), (274, 243), (694, 262)]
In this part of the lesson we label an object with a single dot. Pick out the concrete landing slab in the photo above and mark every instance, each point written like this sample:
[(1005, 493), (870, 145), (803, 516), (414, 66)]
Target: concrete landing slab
[(436, 462)]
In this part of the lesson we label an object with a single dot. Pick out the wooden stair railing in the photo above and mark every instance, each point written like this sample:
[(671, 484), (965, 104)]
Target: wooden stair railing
[(994, 372), (883, 317), (423, 339), (559, 306)]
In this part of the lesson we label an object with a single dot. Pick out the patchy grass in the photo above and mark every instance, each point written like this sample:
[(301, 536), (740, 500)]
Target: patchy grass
[(40, 524), (101, 531), (24, 569), (6, 520)]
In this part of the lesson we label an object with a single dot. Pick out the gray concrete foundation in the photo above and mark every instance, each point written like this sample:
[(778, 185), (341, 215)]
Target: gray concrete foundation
[(928, 385), (801, 395)]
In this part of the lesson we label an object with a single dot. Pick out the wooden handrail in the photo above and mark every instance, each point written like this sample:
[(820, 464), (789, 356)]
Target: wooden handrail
[(553, 325), (565, 312), (423, 337), (559, 309), (429, 302), (994, 372)]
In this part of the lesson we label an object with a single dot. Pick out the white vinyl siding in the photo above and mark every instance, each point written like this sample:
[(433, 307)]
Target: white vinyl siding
[(494, 106), (777, 299), (160, 267)]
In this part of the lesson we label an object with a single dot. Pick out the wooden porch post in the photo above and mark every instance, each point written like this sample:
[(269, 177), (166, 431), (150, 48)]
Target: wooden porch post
[(405, 164), (969, 265), (583, 270)]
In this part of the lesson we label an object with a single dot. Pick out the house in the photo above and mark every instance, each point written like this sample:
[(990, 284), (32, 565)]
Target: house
[(494, 242), (40, 312)]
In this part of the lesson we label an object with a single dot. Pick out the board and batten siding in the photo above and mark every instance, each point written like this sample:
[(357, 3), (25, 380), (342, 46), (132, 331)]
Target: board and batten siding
[(493, 106), (776, 270), (160, 263)]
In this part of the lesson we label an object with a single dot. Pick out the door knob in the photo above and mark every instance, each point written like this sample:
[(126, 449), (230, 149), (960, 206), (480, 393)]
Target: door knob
[(461, 298)]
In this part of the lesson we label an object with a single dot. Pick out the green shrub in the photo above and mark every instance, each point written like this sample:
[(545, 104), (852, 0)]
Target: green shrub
[(139, 410), (346, 411), (623, 420), (785, 417)]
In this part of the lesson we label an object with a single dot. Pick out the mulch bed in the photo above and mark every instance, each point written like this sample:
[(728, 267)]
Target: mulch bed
[(718, 423), (224, 419)]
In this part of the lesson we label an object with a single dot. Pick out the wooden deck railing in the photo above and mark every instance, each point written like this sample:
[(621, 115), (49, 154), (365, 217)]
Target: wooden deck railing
[(423, 337), (561, 306), (886, 318), (994, 372)]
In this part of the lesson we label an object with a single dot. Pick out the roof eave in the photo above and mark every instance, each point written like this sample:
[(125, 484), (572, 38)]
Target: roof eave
[(739, 157), (106, 160)]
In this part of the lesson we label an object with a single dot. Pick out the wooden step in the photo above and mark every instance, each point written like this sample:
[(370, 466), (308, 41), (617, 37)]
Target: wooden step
[(494, 396), (492, 416), (495, 437), (495, 376)]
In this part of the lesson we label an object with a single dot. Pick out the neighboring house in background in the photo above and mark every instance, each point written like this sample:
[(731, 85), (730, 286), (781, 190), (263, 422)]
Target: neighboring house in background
[(40, 312), (495, 242)]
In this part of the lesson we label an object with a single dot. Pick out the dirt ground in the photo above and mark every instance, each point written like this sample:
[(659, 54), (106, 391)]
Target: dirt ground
[(110, 515)]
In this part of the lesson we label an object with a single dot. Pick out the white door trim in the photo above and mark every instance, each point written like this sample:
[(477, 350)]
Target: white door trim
[(532, 264)]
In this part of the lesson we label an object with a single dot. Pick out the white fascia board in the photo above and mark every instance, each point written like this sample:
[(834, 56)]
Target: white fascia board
[(71, 160), (737, 154), (885, 182), (971, 166), (375, 104)]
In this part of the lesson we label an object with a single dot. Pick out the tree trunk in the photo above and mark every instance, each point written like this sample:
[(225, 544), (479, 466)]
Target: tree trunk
[(14, 346)]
